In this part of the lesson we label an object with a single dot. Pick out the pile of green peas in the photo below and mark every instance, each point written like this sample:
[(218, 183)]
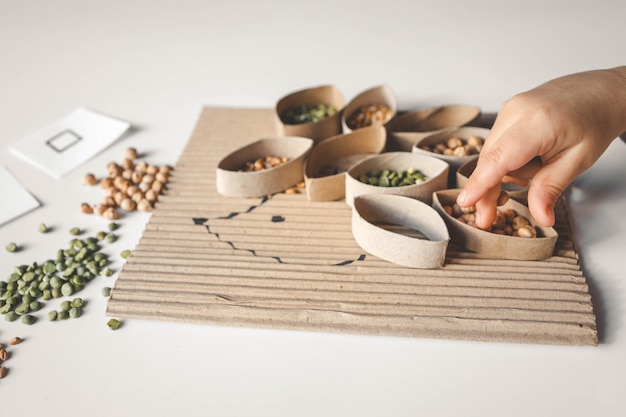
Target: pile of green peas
[(308, 114), (29, 286), (392, 178)]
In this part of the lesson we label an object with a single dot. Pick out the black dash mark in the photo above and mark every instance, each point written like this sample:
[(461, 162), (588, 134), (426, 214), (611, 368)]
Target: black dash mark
[(348, 262), (199, 220), (278, 219)]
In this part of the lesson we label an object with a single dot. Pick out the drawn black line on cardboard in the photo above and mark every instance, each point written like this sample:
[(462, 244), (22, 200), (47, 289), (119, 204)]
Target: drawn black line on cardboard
[(277, 218)]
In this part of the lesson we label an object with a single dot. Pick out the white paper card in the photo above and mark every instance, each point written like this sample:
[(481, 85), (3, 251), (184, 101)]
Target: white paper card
[(16, 201), (71, 141)]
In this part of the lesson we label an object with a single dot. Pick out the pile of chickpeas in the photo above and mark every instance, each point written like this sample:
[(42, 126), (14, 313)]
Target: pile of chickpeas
[(130, 185), (267, 162), (508, 221), (369, 115), (455, 146)]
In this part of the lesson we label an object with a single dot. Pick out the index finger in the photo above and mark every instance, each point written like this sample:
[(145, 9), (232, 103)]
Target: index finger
[(504, 152)]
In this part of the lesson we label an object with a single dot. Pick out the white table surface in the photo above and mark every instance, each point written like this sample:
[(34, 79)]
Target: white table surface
[(156, 63)]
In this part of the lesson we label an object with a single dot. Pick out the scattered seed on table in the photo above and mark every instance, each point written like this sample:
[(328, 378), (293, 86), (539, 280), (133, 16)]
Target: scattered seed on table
[(3, 372), (125, 253), (11, 316), (15, 341), (113, 324), (105, 291), (28, 319), (75, 231), (113, 226), (52, 315), (43, 228), (12, 247)]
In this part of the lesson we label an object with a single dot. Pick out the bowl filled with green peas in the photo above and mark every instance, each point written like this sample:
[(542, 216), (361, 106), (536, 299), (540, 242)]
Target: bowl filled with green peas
[(399, 173), (313, 113)]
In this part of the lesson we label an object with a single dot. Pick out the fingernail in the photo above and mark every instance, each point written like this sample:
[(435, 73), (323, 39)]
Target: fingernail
[(462, 197)]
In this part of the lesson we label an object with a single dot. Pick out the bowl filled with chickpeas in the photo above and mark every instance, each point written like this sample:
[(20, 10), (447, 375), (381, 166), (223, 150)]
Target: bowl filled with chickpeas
[(513, 235), (373, 107), (455, 146), (264, 167)]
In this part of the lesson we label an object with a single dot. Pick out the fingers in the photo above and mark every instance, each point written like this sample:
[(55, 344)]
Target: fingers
[(548, 184), (503, 155)]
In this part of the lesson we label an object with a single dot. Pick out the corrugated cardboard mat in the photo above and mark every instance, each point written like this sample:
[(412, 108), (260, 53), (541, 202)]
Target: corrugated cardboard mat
[(284, 262)]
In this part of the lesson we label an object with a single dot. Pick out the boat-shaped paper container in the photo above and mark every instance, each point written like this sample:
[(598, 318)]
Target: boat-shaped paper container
[(400, 229), (234, 181), (290, 106), (496, 246), (375, 106), (435, 170), (406, 129), (326, 166), (518, 192), (456, 146)]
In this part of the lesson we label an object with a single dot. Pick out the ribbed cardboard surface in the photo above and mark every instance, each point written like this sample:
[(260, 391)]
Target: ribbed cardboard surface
[(288, 263)]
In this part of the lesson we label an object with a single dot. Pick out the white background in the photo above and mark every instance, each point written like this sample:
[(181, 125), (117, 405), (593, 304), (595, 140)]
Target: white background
[(156, 63)]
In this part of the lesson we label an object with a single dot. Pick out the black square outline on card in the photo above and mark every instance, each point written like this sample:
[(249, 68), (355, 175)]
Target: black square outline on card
[(50, 142)]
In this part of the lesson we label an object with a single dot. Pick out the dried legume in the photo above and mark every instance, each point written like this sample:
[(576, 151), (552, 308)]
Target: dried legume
[(456, 146), (12, 247), (392, 178), (113, 324), (126, 185), (369, 115), (307, 114)]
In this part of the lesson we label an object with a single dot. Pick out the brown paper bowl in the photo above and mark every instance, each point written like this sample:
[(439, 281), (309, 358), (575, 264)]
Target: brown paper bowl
[(233, 183), (463, 173), (399, 229), (374, 96), (406, 130), (491, 245), (339, 153), (455, 162), (318, 131), (435, 170)]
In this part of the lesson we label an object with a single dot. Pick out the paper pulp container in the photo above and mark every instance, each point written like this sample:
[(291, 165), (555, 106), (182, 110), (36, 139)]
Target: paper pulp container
[(334, 157), (380, 95), (407, 129), (400, 230), (435, 170), (320, 130), (234, 183), (491, 245)]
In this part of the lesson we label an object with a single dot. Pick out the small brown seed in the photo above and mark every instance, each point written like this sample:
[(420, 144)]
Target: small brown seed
[(90, 179), (502, 198), (128, 164), (144, 205), (152, 169), (291, 191), (151, 196), (166, 169), (128, 204), (136, 177), (127, 174), (526, 231), (130, 153), (111, 213), (137, 197), (157, 186), (15, 341), (159, 176), (454, 143), (106, 183), (3, 372), (86, 208), (4, 355)]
